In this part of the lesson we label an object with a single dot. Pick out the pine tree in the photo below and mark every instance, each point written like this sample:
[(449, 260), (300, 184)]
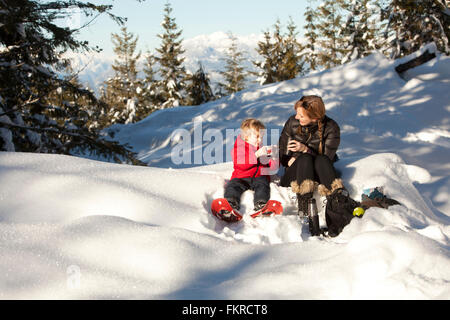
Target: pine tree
[(281, 53), (32, 45), (413, 23), (234, 74), (309, 54), (122, 89), (171, 86), (360, 30), (292, 58), (278, 51), (149, 85), (124, 48), (92, 115), (267, 67), (199, 88), (328, 28)]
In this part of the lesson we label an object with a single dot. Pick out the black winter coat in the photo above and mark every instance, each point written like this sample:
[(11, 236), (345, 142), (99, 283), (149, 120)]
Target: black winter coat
[(310, 137)]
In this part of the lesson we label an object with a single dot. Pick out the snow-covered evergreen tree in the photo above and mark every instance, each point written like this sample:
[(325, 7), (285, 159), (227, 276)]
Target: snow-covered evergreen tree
[(149, 85), (123, 88), (292, 63), (125, 48), (92, 115), (234, 73), (171, 87), (329, 24), (413, 23), (360, 31), (199, 89), (309, 53), (31, 46), (267, 69), (282, 55)]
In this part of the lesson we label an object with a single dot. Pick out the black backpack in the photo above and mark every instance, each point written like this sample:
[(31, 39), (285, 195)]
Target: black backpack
[(339, 211)]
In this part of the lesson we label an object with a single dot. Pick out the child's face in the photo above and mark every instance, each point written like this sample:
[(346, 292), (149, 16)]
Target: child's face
[(254, 137)]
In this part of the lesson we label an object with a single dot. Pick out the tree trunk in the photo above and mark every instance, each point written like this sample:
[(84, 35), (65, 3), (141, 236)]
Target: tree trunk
[(423, 58)]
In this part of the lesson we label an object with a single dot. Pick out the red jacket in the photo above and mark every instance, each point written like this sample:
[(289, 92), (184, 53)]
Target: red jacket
[(245, 163)]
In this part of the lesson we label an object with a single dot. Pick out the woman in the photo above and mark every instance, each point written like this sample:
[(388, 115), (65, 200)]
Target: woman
[(308, 145)]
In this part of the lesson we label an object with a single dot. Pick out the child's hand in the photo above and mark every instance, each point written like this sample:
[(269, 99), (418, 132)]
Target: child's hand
[(263, 151)]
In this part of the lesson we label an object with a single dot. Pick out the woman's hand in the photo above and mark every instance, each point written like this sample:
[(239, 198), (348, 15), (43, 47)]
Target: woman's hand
[(296, 146)]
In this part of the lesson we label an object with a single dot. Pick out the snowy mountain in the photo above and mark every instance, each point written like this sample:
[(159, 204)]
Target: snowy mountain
[(83, 229), (209, 49), (93, 68)]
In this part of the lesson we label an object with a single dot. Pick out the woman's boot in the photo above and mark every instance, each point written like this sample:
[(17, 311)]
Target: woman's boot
[(304, 192)]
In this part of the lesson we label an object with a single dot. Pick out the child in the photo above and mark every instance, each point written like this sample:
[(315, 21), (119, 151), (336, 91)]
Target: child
[(252, 166)]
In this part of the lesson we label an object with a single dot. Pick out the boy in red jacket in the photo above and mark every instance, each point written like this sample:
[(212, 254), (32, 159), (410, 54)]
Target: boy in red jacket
[(252, 166)]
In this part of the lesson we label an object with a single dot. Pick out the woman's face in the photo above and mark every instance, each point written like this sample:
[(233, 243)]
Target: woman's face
[(302, 116)]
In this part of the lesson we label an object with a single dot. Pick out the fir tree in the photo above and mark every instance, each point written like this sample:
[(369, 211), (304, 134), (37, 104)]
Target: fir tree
[(91, 115), (309, 54), (292, 62), (329, 27), (234, 74), (124, 48), (32, 45), (149, 85), (171, 86), (267, 67), (281, 53), (123, 88), (199, 88), (359, 33), (412, 24)]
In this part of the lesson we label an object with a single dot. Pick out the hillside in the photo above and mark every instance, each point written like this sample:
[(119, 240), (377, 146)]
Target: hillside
[(74, 228), (377, 111)]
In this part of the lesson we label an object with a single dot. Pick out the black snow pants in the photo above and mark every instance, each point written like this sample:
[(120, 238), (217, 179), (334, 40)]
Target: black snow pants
[(237, 186), (317, 168)]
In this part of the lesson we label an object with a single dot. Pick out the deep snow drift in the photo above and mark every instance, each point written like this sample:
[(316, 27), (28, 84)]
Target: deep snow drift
[(78, 228)]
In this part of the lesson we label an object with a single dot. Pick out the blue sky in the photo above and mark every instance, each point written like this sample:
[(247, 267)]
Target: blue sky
[(194, 17)]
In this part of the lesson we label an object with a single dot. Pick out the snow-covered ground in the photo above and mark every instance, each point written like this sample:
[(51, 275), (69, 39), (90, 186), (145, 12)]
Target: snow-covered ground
[(83, 229)]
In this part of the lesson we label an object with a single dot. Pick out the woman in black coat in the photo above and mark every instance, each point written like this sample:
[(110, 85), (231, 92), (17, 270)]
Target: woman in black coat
[(308, 145)]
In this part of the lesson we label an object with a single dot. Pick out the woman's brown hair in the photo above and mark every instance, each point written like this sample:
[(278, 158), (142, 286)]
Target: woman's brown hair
[(315, 109)]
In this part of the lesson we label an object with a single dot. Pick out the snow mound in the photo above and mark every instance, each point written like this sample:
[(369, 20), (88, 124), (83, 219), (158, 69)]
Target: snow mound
[(88, 229), (81, 229), (378, 112)]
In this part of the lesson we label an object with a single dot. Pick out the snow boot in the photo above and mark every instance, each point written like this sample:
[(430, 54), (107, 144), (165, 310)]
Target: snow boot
[(234, 204), (259, 205), (304, 193)]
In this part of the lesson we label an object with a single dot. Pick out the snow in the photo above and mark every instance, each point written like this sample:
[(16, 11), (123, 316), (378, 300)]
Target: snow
[(73, 228)]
